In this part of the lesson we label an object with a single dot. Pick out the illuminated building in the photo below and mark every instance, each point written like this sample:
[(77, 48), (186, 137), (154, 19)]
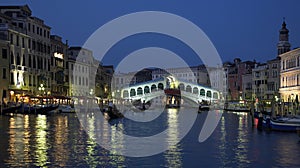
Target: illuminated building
[(259, 81), (79, 63), (195, 74), (59, 68), (234, 75), (290, 75), (14, 51)]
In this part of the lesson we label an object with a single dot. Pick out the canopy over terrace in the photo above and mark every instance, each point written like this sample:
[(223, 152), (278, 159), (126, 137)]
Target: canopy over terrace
[(46, 99)]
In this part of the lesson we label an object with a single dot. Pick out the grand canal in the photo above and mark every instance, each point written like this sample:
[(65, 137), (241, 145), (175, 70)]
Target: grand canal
[(60, 141)]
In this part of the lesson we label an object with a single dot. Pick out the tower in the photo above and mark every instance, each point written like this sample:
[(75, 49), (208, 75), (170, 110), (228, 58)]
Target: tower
[(283, 44)]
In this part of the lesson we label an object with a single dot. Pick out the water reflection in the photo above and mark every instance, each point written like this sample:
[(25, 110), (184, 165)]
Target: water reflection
[(234, 139), (242, 140), (41, 146), (60, 141), (173, 155), (105, 132)]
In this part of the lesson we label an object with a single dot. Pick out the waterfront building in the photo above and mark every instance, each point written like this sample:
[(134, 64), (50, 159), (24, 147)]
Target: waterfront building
[(102, 82), (194, 74), (107, 77), (247, 86), (290, 75), (273, 80), (79, 63), (15, 50), (59, 67), (4, 57), (35, 63), (218, 79), (259, 81), (234, 74)]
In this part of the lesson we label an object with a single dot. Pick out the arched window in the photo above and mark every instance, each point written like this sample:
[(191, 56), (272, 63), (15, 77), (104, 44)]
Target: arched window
[(161, 86), (208, 94), (153, 88), (132, 92), (189, 88), (195, 90), (181, 86), (146, 89), (215, 95), (202, 92), (139, 91), (125, 94)]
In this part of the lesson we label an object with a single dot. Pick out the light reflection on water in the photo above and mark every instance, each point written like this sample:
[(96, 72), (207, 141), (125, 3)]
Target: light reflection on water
[(173, 155), (60, 141)]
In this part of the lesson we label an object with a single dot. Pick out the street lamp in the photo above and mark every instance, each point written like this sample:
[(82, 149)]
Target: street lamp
[(42, 89)]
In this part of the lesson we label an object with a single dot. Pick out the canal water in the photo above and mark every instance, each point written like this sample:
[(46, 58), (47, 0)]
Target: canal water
[(60, 141)]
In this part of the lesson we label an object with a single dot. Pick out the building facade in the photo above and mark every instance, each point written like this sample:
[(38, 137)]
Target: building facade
[(290, 75), (194, 74), (234, 74), (15, 50), (259, 82), (273, 80), (58, 66), (79, 63)]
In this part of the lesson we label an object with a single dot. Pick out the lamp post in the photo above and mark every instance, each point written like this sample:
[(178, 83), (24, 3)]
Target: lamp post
[(42, 89)]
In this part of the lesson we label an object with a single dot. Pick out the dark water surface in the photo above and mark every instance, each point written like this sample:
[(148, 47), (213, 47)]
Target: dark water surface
[(60, 141)]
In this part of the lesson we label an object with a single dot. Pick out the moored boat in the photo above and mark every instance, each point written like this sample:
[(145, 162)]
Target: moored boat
[(283, 124), (10, 109)]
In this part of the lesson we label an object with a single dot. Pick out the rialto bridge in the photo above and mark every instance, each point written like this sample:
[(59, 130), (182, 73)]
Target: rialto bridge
[(155, 88)]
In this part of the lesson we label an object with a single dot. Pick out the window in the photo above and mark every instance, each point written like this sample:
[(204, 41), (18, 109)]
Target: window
[(12, 79), (23, 62), (21, 25), (29, 61), (18, 59), (33, 28), (11, 58), (29, 43), (11, 38), (33, 44), (34, 62), (29, 27), (17, 40), (23, 42), (4, 73), (37, 30), (4, 53)]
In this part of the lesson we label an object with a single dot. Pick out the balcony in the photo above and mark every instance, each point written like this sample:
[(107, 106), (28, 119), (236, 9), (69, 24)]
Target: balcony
[(18, 68)]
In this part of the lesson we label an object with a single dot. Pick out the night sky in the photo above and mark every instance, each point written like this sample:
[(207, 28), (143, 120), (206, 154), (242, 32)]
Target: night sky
[(245, 29)]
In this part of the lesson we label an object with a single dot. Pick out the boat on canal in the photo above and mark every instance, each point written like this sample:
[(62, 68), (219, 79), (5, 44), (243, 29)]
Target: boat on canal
[(10, 109), (236, 106), (36, 109), (282, 123), (65, 109)]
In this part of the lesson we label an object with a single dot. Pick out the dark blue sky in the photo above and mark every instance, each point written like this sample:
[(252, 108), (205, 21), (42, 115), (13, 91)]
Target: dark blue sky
[(237, 28)]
